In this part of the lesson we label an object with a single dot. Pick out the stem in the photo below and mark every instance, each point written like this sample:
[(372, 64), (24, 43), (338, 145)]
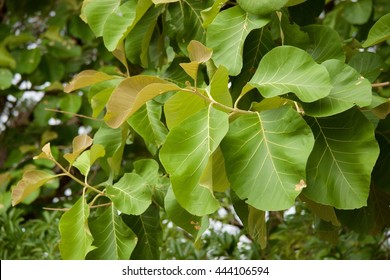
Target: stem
[(73, 114), (101, 205), (384, 84), (56, 209), (212, 101), (76, 179)]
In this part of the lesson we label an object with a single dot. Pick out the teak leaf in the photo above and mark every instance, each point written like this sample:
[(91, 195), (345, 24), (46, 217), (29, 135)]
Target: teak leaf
[(340, 165), (76, 239), (80, 143), (31, 181), (87, 78), (131, 94), (226, 36), (112, 237), (266, 155), (130, 195), (287, 69), (379, 32), (186, 153)]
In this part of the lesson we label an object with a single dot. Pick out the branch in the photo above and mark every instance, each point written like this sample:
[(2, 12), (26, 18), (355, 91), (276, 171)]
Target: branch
[(384, 84), (73, 114)]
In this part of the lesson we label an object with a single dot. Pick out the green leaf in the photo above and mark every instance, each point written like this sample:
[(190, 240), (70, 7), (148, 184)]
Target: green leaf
[(190, 223), (97, 12), (112, 237), (379, 32), (324, 212), (148, 170), (27, 60), (325, 43), (87, 78), (131, 195), (265, 155), (369, 65), (76, 239), (6, 77), (349, 89), (122, 20), (30, 182), (181, 106), (198, 137), (71, 103), (226, 36), (147, 123), (257, 227), (287, 69), (219, 87), (137, 42), (340, 165), (148, 230), (209, 14), (358, 12), (131, 94), (84, 162), (79, 144)]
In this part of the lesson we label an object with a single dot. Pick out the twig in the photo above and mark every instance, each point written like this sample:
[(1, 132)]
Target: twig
[(73, 114), (384, 84)]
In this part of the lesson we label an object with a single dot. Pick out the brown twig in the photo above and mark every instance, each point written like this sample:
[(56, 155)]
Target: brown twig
[(384, 84)]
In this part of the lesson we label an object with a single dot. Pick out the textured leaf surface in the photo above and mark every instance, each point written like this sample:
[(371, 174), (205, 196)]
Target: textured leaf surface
[(96, 13), (325, 43), (349, 89), (130, 194), (265, 155), (379, 32), (112, 237), (186, 153), (288, 69), (340, 165), (257, 227), (226, 36), (194, 225), (181, 106), (147, 123), (148, 230), (76, 239)]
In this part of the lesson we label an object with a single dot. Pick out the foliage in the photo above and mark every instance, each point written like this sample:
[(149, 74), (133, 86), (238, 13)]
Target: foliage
[(205, 103)]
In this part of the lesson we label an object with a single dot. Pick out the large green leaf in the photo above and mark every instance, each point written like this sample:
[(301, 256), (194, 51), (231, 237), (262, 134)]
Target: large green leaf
[(194, 225), (358, 12), (257, 227), (186, 153), (369, 65), (340, 165), (379, 32), (148, 230), (325, 43), (287, 69), (181, 106), (96, 13), (147, 123), (266, 155), (226, 36), (349, 89), (112, 237), (131, 195), (138, 40), (76, 239)]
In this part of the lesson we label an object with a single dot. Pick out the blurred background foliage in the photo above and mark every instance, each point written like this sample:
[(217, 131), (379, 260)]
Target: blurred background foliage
[(42, 45)]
